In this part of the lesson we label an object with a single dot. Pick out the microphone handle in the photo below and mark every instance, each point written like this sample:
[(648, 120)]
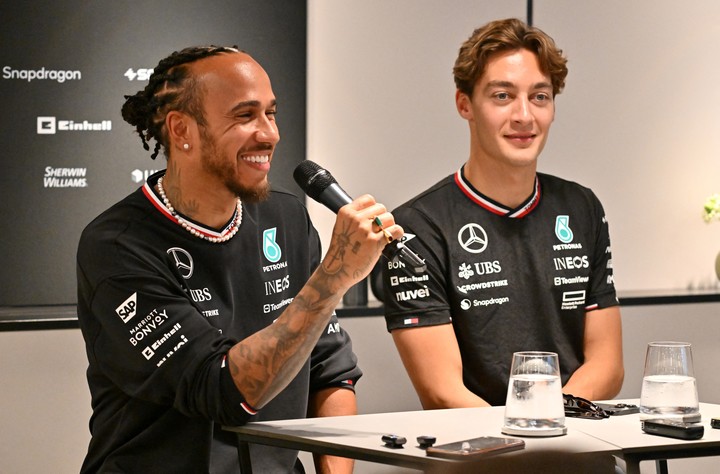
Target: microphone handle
[(334, 197)]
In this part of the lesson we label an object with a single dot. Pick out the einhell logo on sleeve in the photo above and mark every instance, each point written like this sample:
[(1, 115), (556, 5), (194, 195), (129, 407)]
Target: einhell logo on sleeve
[(128, 308)]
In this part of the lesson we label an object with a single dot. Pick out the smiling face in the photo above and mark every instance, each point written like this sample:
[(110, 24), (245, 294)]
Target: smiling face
[(510, 111), (240, 132)]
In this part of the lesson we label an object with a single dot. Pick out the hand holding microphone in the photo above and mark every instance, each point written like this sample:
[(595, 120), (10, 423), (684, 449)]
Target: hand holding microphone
[(320, 185)]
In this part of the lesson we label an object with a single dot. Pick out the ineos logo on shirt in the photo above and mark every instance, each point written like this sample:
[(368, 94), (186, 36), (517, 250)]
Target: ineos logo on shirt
[(473, 238), (183, 261)]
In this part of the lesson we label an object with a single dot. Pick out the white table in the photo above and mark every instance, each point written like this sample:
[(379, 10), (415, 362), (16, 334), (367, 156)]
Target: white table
[(359, 437), (635, 445), (586, 442)]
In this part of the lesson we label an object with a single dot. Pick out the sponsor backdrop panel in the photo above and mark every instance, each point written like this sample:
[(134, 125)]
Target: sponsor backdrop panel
[(67, 154)]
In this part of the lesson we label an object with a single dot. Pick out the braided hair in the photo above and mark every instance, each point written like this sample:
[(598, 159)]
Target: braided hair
[(171, 87)]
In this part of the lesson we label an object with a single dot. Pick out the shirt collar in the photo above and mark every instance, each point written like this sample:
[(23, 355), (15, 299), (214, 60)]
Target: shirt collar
[(493, 206)]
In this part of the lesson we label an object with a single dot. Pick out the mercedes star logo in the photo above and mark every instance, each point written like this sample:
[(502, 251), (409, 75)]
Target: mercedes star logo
[(473, 238), (183, 261)]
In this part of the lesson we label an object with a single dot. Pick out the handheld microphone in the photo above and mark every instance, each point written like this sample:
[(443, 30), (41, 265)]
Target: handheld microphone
[(320, 185)]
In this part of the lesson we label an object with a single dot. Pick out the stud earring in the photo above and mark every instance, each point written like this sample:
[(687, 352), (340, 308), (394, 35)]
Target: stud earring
[(186, 146)]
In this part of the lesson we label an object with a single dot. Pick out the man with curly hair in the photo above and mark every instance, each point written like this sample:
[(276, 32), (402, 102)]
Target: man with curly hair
[(517, 260)]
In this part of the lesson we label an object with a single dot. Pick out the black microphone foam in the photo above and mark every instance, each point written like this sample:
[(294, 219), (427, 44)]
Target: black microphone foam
[(312, 178), (320, 185)]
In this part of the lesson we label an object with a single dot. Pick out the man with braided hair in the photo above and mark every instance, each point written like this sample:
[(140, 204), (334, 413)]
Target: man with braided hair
[(202, 297)]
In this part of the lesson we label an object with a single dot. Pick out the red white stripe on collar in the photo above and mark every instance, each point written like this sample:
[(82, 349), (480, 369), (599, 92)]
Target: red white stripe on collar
[(158, 203), (493, 206)]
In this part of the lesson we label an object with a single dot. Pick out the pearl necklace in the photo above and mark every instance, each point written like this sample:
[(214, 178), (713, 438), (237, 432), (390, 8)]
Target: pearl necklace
[(226, 234)]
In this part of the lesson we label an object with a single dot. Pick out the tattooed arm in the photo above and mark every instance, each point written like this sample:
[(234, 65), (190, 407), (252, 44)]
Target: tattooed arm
[(263, 364)]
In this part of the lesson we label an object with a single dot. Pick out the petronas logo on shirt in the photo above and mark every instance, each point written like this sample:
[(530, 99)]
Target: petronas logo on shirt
[(562, 229), (270, 247)]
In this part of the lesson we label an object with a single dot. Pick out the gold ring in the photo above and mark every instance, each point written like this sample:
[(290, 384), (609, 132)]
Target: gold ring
[(387, 235), (376, 220)]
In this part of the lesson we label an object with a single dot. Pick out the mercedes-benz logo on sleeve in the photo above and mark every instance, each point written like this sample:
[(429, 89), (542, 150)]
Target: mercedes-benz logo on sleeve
[(183, 261), (473, 238)]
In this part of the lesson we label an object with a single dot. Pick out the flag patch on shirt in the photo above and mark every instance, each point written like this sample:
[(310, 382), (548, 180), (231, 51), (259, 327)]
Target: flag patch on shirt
[(410, 321)]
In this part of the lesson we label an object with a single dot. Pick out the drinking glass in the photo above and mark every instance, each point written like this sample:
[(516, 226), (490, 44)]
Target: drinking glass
[(669, 389), (534, 405)]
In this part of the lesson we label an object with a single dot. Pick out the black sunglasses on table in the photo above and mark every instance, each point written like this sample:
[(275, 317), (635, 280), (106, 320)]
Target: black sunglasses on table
[(578, 407)]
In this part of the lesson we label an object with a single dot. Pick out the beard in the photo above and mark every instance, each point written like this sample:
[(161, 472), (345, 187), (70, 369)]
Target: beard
[(214, 164)]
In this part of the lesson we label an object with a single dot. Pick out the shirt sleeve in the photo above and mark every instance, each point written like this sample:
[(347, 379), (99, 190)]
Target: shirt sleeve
[(333, 362), (146, 337), (417, 299), (602, 292)]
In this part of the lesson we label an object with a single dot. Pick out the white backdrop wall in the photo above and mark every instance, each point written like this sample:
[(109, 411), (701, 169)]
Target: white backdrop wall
[(637, 122)]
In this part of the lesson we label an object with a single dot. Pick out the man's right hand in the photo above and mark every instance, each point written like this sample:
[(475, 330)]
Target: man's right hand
[(357, 241)]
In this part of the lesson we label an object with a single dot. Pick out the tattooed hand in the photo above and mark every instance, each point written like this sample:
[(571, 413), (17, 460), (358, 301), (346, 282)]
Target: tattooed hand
[(357, 242)]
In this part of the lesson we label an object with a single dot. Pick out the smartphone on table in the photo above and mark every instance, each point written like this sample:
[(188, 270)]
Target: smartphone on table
[(673, 429), (482, 446)]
